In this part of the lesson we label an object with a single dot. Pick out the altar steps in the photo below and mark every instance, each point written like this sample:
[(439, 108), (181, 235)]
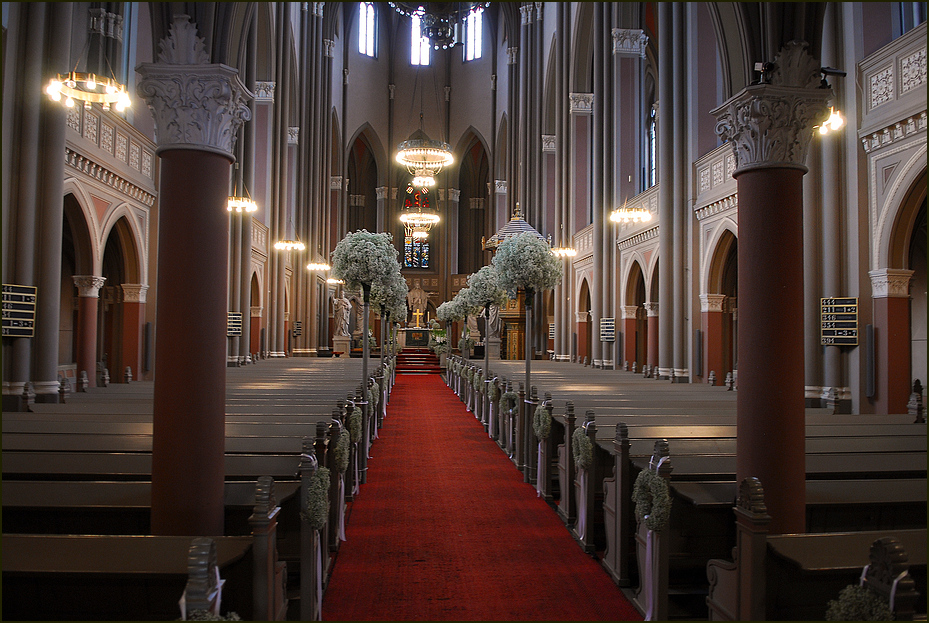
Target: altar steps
[(418, 361)]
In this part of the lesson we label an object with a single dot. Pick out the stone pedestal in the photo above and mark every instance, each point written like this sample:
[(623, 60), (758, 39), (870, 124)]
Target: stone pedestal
[(341, 344), (493, 347)]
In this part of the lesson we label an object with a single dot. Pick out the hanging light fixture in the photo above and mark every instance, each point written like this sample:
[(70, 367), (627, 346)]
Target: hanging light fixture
[(634, 215), (833, 123), (314, 266), (89, 87), (289, 245), (561, 251), (424, 158), (440, 21), (417, 215), (237, 202)]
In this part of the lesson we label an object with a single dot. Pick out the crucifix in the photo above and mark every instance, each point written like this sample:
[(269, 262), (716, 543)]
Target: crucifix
[(419, 315)]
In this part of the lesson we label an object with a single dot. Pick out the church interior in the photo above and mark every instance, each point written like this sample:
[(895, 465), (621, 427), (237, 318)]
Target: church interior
[(736, 197)]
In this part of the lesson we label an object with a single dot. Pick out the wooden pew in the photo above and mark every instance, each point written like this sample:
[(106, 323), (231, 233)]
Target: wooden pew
[(125, 577), (793, 576)]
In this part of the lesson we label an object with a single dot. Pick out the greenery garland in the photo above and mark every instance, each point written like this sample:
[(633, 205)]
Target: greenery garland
[(340, 451), (652, 500), (465, 344), (857, 603), (374, 394), (478, 380), (315, 509), (583, 449), (542, 422), (354, 424), (494, 392), (508, 403), (206, 615)]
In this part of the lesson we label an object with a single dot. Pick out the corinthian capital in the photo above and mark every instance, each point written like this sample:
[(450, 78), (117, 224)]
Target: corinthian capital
[(196, 105), (771, 124), (88, 286)]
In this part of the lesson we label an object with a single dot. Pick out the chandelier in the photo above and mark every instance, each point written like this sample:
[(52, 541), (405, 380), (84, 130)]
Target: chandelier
[(561, 251), (417, 216), (237, 202), (314, 266), (424, 158), (289, 245), (439, 21), (630, 215), (88, 87)]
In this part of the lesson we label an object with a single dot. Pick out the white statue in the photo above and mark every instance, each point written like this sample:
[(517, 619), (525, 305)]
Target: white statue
[(418, 300), (493, 323), (342, 309)]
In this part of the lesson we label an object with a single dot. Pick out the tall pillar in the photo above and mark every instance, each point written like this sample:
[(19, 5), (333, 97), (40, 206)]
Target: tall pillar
[(890, 289), (133, 317), (667, 148), (198, 108), (630, 313), (770, 126), (651, 310), (711, 309), (88, 291)]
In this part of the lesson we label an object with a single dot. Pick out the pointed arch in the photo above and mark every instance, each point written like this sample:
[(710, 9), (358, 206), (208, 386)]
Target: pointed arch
[(131, 241)]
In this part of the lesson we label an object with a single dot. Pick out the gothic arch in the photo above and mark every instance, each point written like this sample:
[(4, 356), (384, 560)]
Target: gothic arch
[(582, 49), (85, 214), (123, 222), (723, 237), (897, 218), (369, 136)]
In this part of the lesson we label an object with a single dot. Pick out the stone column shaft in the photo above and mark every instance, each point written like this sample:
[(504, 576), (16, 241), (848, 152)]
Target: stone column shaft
[(712, 312), (88, 302), (654, 339), (891, 300)]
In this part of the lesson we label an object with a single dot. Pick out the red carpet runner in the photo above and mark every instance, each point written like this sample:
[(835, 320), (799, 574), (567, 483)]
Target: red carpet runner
[(445, 529)]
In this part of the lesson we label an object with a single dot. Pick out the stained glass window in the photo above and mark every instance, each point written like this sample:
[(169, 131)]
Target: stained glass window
[(415, 250), (473, 34)]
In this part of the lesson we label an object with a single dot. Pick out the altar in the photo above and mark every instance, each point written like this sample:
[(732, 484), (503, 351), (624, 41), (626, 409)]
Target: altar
[(414, 337)]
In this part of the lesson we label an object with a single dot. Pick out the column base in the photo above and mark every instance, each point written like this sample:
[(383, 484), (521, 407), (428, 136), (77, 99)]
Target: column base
[(275, 353), (304, 352)]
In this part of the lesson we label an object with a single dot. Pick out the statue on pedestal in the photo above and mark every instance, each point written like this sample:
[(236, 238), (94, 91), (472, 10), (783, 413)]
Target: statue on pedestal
[(418, 300)]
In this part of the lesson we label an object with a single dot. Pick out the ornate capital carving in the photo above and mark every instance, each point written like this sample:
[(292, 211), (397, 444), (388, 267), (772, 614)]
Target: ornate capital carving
[(134, 292), (651, 309), (712, 302), (195, 105), (335, 182), (264, 92), (581, 103), (630, 311), (500, 187), (548, 143), (381, 192), (512, 55), (454, 194), (88, 286), (328, 46), (629, 42), (526, 12), (890, 283), (771, 124), (293, 135)]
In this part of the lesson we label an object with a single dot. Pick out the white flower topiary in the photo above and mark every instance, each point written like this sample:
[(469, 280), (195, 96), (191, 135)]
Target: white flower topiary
[(524, 261), (484, 288), (363, 258)]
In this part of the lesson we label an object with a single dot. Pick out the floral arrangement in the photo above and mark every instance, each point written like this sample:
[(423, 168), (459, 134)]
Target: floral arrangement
[(438, 340), (374, 393), (445, 311), (652, 500), (354, 424), (526, 261), (477, 380), (315, 509), (542, 422), (508, 403), (494, 392), (484, 288), (362, 259), (465, 343), (583, 449), (858, 603), (340, 451)]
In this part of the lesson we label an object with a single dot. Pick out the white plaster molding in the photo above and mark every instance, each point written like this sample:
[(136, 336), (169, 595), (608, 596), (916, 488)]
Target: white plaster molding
[(255, 312), (264, 92), (88, 286), (107, 24), (890, 283), (582, 316), (100, 173), (381, 192), (712, 302), (134, 292), (651, 309), (726, 203), (894, 133), (500, 187), (771, 124), (637, 239), (629, 42), (548, 143), (293, 135), (581, 103), (630, 312), (328, 47), (335, 182), (454, 194), (526, 13)]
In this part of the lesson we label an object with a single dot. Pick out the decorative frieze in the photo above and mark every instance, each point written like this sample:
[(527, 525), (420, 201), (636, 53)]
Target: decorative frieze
[(897, 131), (134, 292), (100, 173), (770, 124), (548, 143), (890, 283), (704, 179), (88, 286), (913, 71), (727, 203), (106, 138), (135, 157), (581, 103), (637, 239), (122, 147), (90, 127), (629, 42), (881, 87), (74, 118), (195, 105)]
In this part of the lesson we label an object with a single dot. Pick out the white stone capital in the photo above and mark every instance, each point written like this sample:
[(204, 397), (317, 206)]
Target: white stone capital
[(293, 135), (134, 292), (890, 283), (328, 46), (629, 42), (630, 311), (195, 104), (264, 92), (381, 192), (255, 312), (548, 143), (770, 125), (651, 309), (500, 187), (454, 194), (582, 316), (526, 12), (88, 286), (512, 54), (581, 103), (712, 302), (335, 182)]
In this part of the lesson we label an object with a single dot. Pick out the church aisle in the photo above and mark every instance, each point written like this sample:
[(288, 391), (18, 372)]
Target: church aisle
[(445, 529)]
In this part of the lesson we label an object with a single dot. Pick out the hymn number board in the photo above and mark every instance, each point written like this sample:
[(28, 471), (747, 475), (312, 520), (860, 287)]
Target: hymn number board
[(233, 324), (839, 322), (18, 310)]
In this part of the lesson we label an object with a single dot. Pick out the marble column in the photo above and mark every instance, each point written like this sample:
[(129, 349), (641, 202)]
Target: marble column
[(890, 290), (198, 108), (629, 329), (711, 310), (133, 318), (653, 319), (88, 291), (770, 126)]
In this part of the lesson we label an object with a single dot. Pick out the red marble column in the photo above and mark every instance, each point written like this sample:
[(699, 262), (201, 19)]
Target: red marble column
[(254, 334), (892, 341), (652, 344), (88, 303), (712, 311), (770, 126), (198, 108), (133, 317), (629, 323), (582, 328)]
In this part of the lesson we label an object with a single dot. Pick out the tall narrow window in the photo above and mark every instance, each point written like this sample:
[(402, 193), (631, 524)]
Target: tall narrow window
[(366, 29), (415, 249), (651, 149), (419, 52), (474, 34)]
